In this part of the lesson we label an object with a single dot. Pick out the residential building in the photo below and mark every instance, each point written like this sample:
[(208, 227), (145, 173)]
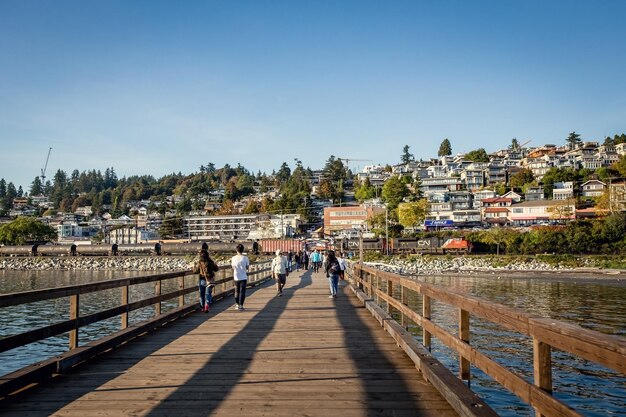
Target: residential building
[(338, 219), (495, 211), (534, 194), (592, 189), (563, 190), (541, 212), (223, 228)]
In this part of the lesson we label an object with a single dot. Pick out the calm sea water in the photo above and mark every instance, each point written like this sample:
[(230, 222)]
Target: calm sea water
[(595, 304)]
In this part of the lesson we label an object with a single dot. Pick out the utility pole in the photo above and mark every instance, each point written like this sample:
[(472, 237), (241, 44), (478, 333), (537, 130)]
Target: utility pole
[(386, 231)]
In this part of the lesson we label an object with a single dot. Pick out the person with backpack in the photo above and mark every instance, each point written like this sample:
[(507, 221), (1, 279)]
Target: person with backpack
[(206, 269), (280, 270), (332, 272)]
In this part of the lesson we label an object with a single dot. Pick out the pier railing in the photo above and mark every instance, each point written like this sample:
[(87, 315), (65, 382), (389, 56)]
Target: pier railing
[(78, 352), (392, 291)]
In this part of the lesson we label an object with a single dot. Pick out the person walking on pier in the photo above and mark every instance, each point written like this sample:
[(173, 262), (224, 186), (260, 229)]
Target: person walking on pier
[(280, 271), (316, 258), (342, 265), (332, 269), (240, 264), (206, 269)]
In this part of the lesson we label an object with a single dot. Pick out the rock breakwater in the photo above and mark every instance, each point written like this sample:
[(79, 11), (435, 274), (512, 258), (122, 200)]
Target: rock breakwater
[(122, 263)]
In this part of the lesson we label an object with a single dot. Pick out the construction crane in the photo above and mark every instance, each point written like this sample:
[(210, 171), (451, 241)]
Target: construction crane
[(348, 160), (43, 170)]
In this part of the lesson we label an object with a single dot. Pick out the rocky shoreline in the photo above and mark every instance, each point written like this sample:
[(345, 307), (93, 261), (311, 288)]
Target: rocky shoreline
[(480, 266), (413, 266), (119, 263)]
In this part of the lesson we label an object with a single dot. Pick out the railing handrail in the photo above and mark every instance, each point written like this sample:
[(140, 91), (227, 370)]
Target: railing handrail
[(600, 348)]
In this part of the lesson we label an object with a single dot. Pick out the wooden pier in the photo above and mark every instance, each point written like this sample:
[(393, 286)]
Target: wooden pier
[(302, 354)]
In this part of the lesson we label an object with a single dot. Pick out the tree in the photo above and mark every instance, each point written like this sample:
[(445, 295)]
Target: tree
[(412, 214), (478, 155), (445, 148), (394, 191), (573, 140), (514, 145), (36, 187), (521, 178), (406, 157), (499, 236), (26, 230), (365, 191)]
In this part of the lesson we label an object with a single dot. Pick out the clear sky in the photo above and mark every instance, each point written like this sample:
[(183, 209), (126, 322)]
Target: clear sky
[(155, 87)]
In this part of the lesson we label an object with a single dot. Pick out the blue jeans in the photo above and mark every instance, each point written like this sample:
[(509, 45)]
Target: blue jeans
[(334, 282), (206, 293)]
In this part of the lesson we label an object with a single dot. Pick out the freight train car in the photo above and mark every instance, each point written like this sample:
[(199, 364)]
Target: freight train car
[(432, 245), (270, 246), (19, 250)]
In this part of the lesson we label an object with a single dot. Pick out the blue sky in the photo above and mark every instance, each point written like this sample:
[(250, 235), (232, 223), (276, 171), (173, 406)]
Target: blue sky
[(154, 87)]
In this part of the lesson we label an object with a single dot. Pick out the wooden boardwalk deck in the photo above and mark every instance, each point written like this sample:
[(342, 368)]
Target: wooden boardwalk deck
[(301, 354)]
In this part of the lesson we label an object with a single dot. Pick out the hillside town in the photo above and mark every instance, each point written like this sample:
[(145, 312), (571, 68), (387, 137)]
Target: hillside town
[(461, 192)]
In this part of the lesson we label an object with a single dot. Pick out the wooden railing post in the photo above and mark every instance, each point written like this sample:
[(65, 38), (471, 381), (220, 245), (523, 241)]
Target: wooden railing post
[(404, 298), (74, 313), (124, 316), (181, 286), (426, 316), (360, 276), (390, 294), (464, 335), (157, 292), (542, 367)]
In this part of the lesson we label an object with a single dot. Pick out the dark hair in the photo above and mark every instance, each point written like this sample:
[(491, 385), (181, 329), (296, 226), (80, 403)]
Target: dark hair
[(204, 255), (331, 255), (240, 248)]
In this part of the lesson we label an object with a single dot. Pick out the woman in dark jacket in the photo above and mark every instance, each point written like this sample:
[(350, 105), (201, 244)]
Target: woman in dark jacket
[(205, 268)]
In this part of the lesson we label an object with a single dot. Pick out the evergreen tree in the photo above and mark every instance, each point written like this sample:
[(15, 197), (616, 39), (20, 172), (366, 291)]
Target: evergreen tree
[(573, 140), (406, 156), (445, 148), (36, 188)]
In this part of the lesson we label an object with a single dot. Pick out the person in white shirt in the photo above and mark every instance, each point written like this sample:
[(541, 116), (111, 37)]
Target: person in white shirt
[(240, 264), (280, 270), (342, 265)]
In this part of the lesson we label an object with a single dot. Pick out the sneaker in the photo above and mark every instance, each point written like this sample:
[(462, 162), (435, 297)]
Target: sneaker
[(206, 308), (280, 294), (331, 296), (241, 308), (236, 306), (334, 295)]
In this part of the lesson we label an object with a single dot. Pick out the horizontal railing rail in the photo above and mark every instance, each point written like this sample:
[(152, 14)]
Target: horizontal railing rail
[(546, 334), (224, 285)]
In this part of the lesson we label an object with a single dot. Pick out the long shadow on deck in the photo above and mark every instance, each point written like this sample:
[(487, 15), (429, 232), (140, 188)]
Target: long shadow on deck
[(375, 370), (230, 362)]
